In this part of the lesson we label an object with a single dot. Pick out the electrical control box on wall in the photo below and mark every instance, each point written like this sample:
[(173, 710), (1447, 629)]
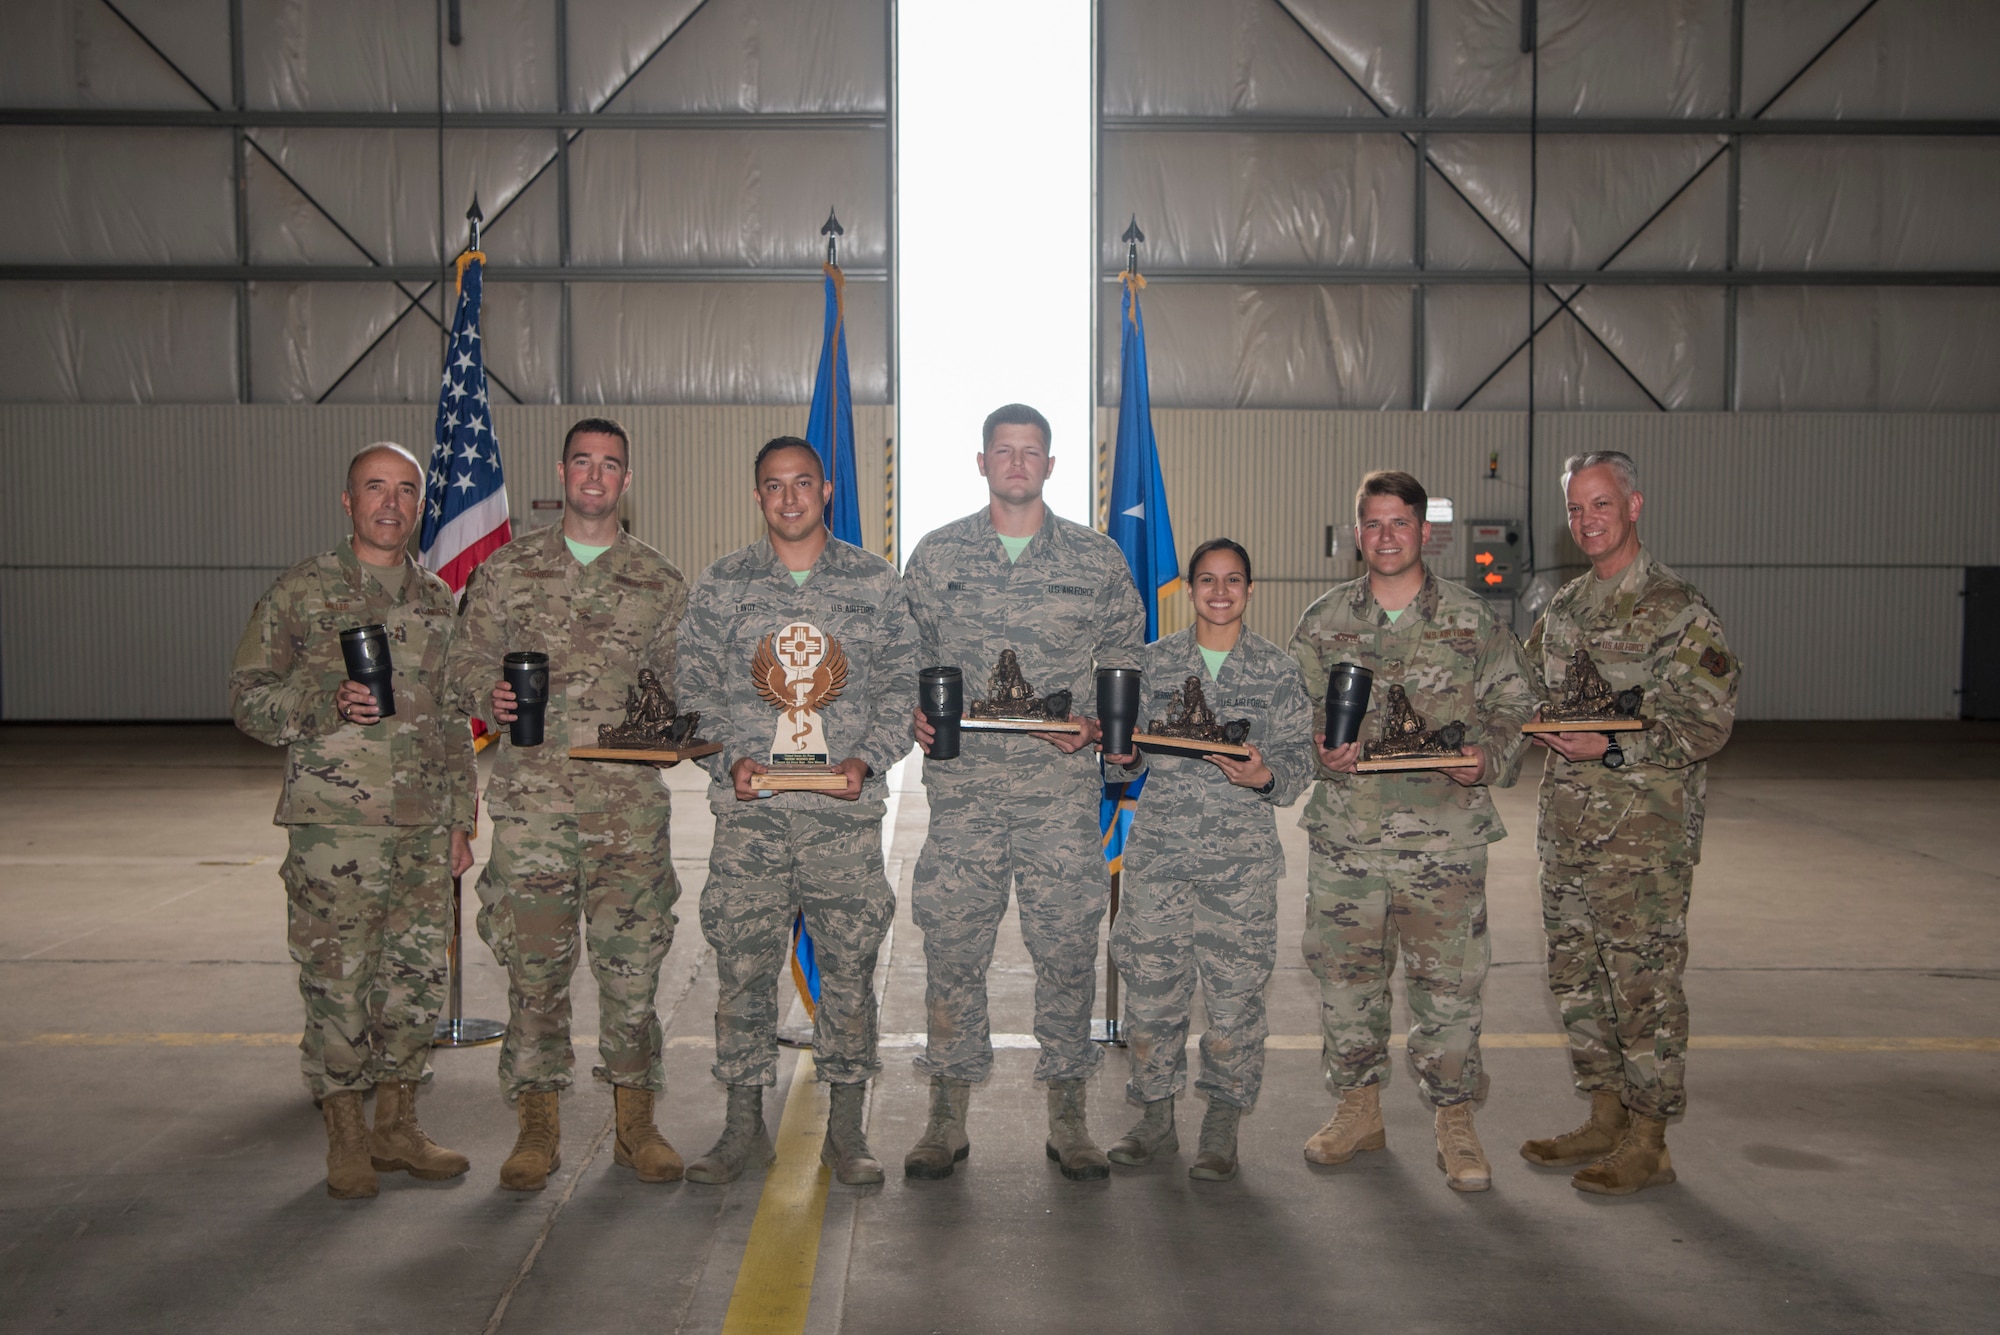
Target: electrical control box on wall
[(1496, 558)]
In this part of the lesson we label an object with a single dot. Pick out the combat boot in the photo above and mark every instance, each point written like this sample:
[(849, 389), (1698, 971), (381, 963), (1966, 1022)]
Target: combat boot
[(1640, 1161), (1154, 1133), (538, 1146), (640, 1146), (1069, 1142), (846, 1150), (1459, 1153), (1215, 1157), (349, 1175), (1356, 1125), (744, 1140), (400, 1145), (1589, 1142), (944, 1142)]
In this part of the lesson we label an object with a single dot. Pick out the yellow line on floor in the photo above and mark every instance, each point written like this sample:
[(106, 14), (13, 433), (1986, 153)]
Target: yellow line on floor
[(774, 1285), (1275, 1043)]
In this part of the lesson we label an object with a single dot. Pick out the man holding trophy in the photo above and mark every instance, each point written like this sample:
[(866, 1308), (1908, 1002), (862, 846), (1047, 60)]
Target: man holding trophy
[(343, 665), (1398, 859), (801, 658), (1619, 842), (1024, 605)]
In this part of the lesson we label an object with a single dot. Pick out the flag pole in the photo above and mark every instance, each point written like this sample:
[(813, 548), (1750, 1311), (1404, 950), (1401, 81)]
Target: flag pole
[(453, 1029)]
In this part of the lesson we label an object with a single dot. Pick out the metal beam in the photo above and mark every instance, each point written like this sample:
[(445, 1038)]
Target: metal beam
[(1411, 125), (224, 118), (414, 273), (1565, 277)]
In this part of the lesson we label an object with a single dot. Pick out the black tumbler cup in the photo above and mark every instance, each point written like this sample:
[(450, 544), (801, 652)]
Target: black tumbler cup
[(941, 695), (1346, 701), (366, 649), (528, 674), (1118, 708)]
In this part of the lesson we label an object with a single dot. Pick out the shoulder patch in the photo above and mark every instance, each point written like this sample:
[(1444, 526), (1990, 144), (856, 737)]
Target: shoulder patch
[(1715, 661)]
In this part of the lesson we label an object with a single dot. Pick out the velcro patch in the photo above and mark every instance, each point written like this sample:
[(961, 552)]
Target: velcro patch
[(1715, 661), (1069, 588)]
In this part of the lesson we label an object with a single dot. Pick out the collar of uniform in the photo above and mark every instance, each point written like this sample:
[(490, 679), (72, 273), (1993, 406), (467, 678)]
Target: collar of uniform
[(359, 574), (1043, 538), (1425, 603), (1626, 584), (764, 554)]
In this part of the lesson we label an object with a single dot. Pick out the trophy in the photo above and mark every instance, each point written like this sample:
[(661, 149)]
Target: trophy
[(1588, 704), (941, 696), (1408, 743), (1191, 728), (1011, 704), (796, 670), (366, 649), (653, 730)]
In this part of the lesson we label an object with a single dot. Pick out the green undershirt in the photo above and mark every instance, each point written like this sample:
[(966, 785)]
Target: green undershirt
[(1015, 546), (798, 576), (583, 553), (1394, 615), (1214, 658)]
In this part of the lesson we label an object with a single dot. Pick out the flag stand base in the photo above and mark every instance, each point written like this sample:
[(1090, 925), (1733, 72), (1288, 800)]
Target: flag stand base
[(1106, 1031), (467, 1033)]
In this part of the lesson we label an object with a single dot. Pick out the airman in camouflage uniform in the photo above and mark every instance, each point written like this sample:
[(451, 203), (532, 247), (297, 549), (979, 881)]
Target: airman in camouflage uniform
[(378, 813), (1619, 845), (1200, 875), (580, 847), (1015, 808), (787, 852), (1398, 859)]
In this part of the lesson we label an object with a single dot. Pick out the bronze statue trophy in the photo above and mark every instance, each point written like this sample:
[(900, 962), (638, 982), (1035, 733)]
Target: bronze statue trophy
[(796, 670), (1407, 743), (653, 730), (1588, 704), (1191, 729), (1011, 705)]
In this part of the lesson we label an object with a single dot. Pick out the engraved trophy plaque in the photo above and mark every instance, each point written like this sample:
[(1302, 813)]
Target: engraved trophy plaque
[(797, 670), (1588, 704), (1011, 704), (1407, 742), (653, 731), (1191, 728)]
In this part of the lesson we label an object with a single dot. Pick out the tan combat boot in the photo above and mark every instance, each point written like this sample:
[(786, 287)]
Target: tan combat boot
[(640, 1146), (400, 1145), (845, 1149), (1640, 1161), (1356, 1125), (1154, 1133), (1589, 1142), (944, 1142), (349, 1175), (743, 1141), (538, 1147), (1459, 1154), (1069, 1141), (1215, 1158)]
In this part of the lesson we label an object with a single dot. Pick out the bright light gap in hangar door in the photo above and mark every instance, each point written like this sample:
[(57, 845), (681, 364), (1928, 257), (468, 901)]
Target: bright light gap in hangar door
[(993, 248)]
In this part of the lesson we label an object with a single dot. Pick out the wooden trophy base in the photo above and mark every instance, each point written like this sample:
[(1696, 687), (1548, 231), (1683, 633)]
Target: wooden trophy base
[(1389, 764), (800, 779), (693, 751), (1585, 725), (970, 724), (1188, 746)]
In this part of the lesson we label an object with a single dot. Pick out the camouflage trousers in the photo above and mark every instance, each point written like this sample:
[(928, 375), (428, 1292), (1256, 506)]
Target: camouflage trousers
[(369, 923), (768, 865), (1362, 909), (1049, 852), (556, 881), (1617, 950), (1169, 934)]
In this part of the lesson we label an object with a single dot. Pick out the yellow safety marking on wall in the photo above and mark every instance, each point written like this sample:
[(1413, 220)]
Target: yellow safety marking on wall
[(774, 1285)]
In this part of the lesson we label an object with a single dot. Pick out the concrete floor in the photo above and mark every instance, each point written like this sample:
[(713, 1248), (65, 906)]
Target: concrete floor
[(167, 1165)]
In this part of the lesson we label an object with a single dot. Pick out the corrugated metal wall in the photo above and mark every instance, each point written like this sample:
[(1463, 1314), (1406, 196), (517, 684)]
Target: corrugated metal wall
[(1833, 545), (133, 611)]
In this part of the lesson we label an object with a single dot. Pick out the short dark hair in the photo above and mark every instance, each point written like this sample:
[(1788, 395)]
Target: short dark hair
[(1014, 414), (776, 443), (598, 426), (1392, 482), (1221, 545)]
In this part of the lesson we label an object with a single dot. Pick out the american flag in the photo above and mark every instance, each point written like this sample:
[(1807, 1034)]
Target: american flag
[(465, 498)]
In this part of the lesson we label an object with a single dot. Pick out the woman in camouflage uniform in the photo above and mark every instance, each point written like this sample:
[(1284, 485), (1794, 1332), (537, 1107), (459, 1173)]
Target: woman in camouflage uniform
[(1201, 867)]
